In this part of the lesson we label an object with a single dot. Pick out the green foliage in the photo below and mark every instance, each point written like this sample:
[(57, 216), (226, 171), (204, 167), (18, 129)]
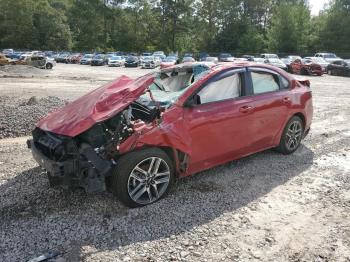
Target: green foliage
[(237, 26), (290, 27), (335, 33)]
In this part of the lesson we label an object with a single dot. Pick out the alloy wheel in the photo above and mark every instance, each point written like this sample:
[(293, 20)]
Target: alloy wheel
[(294, 135), (149, 180)]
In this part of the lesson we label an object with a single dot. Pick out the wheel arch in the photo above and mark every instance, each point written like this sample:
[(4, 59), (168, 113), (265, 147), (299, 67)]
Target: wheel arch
[(302, 117), (278, 136), (178, 158)]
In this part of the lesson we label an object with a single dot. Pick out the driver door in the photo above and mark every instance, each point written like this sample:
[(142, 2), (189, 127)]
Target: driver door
[(219, 121)]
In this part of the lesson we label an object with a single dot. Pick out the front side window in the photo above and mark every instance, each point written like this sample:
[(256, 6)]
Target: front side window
[(222, 89), (264, 82)]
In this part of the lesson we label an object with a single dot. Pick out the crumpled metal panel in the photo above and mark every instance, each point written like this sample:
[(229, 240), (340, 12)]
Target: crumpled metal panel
[(96, 106)]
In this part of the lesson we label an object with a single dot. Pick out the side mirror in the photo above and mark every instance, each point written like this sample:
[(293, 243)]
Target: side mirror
[(195, 100)]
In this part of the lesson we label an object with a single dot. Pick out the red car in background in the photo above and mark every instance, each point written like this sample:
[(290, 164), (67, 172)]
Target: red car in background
[(75, 58), (305, 67), (135, 136)]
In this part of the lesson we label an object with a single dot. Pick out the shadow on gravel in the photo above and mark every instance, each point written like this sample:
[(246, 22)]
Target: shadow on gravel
[(44, 218)]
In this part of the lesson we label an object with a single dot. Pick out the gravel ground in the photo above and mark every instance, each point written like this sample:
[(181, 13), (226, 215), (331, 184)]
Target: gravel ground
[(19, 116), (266, 207)]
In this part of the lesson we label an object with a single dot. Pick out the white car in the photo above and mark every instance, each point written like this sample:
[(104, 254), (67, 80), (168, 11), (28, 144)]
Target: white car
[(116, 61), (276, 62), (212, 59), (329, 57), (149, 62), (268, 56)]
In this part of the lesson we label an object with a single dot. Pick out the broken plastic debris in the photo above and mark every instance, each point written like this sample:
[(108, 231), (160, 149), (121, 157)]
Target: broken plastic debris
[(46, 256)]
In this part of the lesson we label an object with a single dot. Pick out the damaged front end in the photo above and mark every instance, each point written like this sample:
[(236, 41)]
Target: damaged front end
[(87, 159), (79, 145)]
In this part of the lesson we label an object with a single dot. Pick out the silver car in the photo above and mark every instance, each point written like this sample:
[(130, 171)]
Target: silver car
[(116, 61), (41, 62)]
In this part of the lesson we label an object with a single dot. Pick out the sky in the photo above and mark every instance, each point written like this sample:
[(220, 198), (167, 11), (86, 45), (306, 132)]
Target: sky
[(317, 5)]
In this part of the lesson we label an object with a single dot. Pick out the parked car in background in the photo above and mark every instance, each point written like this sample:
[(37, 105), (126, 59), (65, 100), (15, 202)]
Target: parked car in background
[(7, 51), (211, 59), (305, 67), (268, 56), (21, 61), (62, 58), (159, 53), (150, 62), (276, 62), (339, 68), (4, 60), (188, 59), (75, 58), (41, 62), (99, 60), (188, 54), (288, 60), (116, 61), (86, 59), (225, 57), (136, 145), (203, 56), (26, 55), (240, 60), (168, 61), (259, 60), (249, 57), (329, 57), (14, 55), (318, 60), (132, 61)]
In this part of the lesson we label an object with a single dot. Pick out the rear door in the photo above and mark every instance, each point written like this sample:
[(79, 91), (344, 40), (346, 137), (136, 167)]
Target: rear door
[(272, 100)]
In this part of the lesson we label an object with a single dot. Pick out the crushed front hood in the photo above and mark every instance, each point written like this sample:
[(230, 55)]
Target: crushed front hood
[(96, 106)]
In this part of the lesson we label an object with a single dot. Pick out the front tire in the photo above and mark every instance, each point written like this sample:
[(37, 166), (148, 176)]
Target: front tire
[(142, 177), (48, 66), (291, 136)]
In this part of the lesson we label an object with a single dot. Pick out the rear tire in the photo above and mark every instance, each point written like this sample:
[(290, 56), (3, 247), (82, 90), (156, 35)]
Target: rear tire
[(291, 136), (142, 177)]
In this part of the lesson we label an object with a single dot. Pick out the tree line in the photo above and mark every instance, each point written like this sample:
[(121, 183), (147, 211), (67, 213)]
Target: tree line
[(238, 26)]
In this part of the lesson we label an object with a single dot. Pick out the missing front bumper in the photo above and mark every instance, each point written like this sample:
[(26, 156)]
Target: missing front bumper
[(89, 171)]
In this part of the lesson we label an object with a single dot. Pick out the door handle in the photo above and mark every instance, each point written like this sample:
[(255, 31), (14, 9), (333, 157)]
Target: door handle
[(245, 109), (286, 100)]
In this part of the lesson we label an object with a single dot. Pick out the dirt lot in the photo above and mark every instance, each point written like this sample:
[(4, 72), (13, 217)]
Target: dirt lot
[(266, 207)]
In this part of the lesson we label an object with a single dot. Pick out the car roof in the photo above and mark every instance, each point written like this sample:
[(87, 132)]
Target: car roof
[(228, 65)]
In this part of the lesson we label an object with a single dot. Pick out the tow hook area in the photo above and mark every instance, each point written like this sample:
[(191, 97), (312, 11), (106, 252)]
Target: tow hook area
[(95, 170), (84, 169)]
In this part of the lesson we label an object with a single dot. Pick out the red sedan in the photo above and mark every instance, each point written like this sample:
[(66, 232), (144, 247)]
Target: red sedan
[(136, 136), (305, 67)]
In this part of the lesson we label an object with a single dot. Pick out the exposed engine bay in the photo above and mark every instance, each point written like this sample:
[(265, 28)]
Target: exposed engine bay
[(88, 158)]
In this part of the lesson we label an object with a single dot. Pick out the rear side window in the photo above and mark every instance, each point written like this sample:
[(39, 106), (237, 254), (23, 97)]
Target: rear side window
[(264, 82), (284, 83), (222, 89)]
